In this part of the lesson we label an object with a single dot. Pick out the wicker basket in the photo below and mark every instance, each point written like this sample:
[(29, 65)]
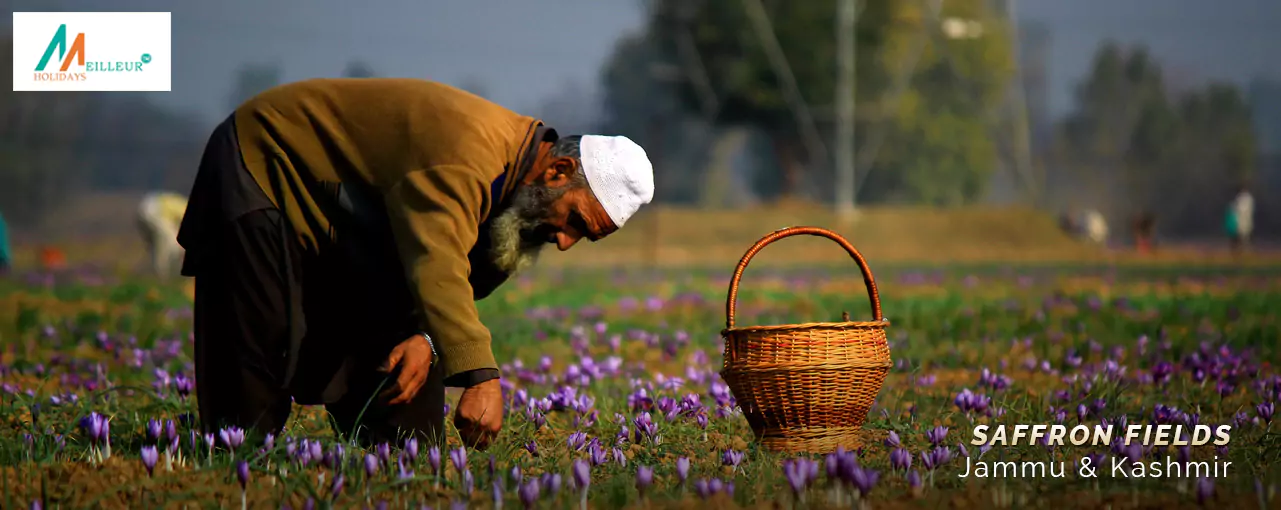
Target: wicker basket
[(806, 387)]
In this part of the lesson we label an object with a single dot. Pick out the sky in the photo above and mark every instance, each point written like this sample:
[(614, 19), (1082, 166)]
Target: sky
[(524, 51)]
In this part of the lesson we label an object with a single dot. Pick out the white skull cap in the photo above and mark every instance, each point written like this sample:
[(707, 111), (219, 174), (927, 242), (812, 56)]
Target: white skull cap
[(619, 174)]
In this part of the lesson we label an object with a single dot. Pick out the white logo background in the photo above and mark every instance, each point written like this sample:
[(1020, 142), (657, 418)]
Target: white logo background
[(110, 37)]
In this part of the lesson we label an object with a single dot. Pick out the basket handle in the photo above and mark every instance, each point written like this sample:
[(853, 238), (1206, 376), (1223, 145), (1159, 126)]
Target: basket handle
[(731, 302)]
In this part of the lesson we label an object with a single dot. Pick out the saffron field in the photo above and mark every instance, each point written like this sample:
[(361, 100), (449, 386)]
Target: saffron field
[(614, 398)]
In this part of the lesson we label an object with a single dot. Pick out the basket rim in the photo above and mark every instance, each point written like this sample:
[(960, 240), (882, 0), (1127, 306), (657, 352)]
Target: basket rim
[(881, 324)]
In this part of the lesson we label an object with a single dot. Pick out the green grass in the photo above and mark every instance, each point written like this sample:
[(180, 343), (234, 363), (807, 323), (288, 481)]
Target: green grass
[(947, 326)]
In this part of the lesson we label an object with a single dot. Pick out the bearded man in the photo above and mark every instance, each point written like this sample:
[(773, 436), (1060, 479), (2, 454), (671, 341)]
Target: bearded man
[(339, 231)]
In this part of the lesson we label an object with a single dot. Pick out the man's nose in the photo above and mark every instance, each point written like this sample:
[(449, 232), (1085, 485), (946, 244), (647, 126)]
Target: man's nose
[(566, 241)]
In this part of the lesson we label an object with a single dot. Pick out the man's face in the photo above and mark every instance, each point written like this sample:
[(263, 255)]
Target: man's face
[(556, 209)]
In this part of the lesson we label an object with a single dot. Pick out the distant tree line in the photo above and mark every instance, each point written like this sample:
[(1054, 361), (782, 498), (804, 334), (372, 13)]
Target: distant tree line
[(932, 122), (926, 97), (1132, 145)]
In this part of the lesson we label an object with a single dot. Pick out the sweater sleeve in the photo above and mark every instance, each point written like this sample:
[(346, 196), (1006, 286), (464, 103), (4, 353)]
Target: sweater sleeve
[(435, 216)]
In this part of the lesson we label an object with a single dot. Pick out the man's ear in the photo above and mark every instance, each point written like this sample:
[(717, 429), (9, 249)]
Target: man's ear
[(561, 171)]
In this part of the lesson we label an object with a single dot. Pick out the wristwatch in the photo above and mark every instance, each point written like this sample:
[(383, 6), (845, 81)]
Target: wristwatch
[(432, 345)]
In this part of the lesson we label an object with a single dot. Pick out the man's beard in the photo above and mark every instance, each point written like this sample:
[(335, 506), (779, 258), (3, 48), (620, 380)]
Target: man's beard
[(519, 233)]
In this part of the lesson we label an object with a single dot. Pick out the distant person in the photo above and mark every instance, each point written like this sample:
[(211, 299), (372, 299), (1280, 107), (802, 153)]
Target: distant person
[(1145, 232), (1069, 224), (52, 258), (1095, 226), (1239, 221), (159, 216), (6, 255), (340, 230)]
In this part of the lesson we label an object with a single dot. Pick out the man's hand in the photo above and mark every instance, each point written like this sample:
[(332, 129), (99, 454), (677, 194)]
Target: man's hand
[(413, 356), (480, 414)]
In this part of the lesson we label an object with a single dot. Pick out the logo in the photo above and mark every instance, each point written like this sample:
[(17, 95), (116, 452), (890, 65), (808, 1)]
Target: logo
[(91, 51)]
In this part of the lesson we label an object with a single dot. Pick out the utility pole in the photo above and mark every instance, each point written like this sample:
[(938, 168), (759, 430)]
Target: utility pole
[(846, 81), (1022, 137)]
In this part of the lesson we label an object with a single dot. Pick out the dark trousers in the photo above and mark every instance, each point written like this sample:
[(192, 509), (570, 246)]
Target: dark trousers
[(262, 301)]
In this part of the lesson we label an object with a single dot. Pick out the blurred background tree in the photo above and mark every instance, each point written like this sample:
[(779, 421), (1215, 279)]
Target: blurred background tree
[(1134, 146), (358, 69), (252, 78), (928, 94)]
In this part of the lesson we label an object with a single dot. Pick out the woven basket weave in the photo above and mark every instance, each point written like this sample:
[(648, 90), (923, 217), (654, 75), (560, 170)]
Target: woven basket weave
[(806, 387)]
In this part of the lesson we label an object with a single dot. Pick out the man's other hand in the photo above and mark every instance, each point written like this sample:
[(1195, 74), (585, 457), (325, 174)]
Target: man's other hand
[(480, 414), (413, 356)]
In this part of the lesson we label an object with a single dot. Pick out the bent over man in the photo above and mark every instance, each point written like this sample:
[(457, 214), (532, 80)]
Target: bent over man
[(339, 231)]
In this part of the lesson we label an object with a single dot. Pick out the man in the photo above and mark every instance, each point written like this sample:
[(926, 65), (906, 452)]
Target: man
[(1145, 231), (6, 256), (1240, 219), (1095, 226), (159, 215), (339, 231)]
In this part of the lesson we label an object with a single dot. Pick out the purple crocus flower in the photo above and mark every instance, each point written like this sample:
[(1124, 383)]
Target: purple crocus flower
[(597, 454), (576, 441), (92, 426), (459, 458), (315, 450), (411, 449), (551, 483), (936, 458), (528, 493), (149, 458), (183, 385), (644, 478), (232, 437), (892, 440), (964, 400), (403, 473), (731, 458), (469, 482), (796, 476), (900, 459), (335, 489), (1204, 489), (864, 479), (334, 459), (645, 427), (242, 474), (433, 458), (703, 488), (1265, 411), (682, 469), (371, 465), (532, 448), (384, 453), (496, 491), (154, 429), (716, 485), (832, 462), (936, 435), (582, 472)]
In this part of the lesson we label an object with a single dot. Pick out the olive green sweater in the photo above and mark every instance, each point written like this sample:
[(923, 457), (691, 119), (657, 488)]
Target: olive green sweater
[(429, 153)]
